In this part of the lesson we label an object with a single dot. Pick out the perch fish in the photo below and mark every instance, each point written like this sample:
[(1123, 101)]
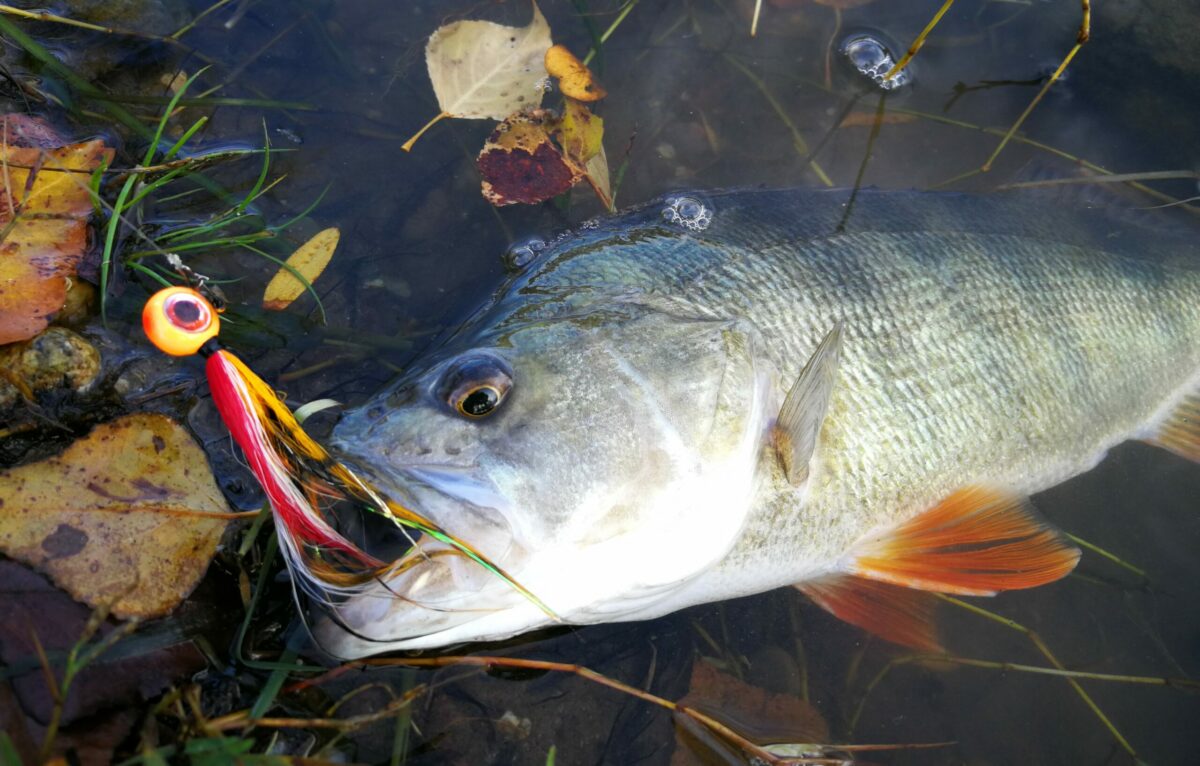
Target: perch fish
[(716, 395)]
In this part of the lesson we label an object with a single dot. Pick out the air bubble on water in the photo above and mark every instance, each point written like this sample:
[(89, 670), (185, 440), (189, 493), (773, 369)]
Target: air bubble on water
[(871, 58), (688, 212), (521, 254)]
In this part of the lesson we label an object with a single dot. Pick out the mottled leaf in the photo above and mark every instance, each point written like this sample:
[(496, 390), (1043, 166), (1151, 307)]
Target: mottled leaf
[(520, 164), (580, 132), (119, 517), (309, 260), (575, 80), (44, 205)]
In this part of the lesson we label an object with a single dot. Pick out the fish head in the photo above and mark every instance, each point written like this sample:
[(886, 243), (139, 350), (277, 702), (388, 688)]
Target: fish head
[(602, 460)]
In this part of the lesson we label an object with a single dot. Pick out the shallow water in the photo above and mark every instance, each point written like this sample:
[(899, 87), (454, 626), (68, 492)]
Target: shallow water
[(695, 103)]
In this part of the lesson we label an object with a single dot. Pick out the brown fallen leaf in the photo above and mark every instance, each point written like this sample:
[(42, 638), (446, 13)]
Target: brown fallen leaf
[(761, 716), (520, 164), (119, 517), (309, 260), (575, 80), (44, 205)]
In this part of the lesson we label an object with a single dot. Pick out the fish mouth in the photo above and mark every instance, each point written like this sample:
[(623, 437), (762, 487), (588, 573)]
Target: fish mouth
[(435, 595)]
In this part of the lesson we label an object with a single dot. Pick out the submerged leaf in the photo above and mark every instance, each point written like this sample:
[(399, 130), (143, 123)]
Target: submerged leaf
[(520, 164), (44, 205), (596, 173), (480, 69), (309, 260), (575, 80), (119, 517), (580, 132)]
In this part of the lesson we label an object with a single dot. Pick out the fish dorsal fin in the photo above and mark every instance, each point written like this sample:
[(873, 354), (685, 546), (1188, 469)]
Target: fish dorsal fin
[(1180, 432), (799, 422), (976, 542), (900, 615)]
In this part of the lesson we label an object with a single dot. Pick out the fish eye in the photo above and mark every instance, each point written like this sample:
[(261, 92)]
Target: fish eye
[(179, 320), (474, 386)]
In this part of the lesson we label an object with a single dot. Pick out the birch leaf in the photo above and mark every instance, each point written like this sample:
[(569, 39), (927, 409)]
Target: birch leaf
[(480, 69), (121, 515), (309, 260)]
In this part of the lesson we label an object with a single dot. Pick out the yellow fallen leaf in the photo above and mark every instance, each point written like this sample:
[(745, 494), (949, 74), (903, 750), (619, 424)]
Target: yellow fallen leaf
[(309, 260), (581, 133), (119, 517), (575, 80), (44, 206), (480, 69)]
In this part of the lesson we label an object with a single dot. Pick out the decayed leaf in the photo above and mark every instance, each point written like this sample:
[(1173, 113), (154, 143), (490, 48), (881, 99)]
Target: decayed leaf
[(481, 69), (118, 515), (309, 260), (519, 162), (759, 715), (575, 80), (580, 134), (44, 205)]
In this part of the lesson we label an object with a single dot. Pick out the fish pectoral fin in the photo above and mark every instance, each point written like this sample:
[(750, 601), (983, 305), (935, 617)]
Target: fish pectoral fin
[(900, 615), (1180, 432), (976, 542), (799, 422)]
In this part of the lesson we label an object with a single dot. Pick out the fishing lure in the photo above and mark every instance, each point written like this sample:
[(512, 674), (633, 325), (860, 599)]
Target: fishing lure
[(298, 475)]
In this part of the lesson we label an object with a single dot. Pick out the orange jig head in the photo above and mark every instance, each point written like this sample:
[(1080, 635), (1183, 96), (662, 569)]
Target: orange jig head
[(179, 320)]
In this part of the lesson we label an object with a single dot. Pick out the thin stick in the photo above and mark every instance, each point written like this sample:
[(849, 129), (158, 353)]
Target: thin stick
[(1045, 650), (1085, 31), (712, 724), (797, 138), (862, 166), (754, 21), (1154, 175), (920, 41), (1087, 164), (187, 27)]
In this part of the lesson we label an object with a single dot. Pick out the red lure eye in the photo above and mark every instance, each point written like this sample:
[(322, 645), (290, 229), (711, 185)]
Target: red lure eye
[(187, 313)]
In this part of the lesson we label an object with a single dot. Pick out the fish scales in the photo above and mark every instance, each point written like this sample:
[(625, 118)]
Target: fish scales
[(995, 341), (981, 345)]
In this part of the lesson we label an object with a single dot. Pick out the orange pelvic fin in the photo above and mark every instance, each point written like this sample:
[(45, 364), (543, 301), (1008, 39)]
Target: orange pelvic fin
[(1180, 432), (976, 542), (900, 615)]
